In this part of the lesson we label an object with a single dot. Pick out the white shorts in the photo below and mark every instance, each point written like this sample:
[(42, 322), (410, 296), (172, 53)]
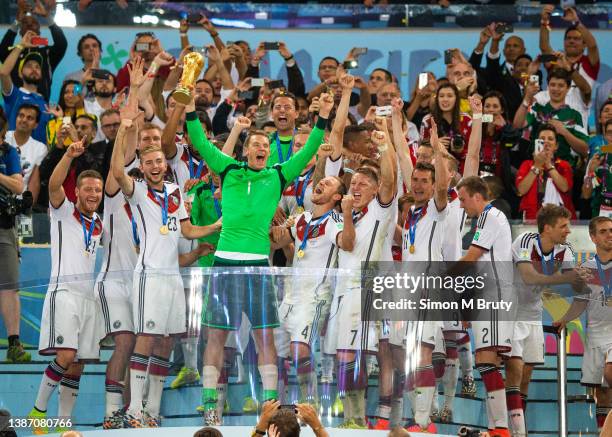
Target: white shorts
[(70, 321), (114, 298), (345, 329), (594, 361), (394, 332), (158, 304), (528, 342), (300, 323), (454, 325), (428, 332), (493, 335)]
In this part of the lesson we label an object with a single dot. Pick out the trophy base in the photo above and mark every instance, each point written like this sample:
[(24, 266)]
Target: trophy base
[(182, 96)]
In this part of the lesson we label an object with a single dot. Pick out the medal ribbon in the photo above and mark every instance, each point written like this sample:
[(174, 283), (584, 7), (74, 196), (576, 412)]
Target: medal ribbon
[(546, 262), (281, 158), (412, 220), (87, 233), (198, 173), (164, 205), (213, 188), (305, 240), (605, 282), (300, 194)]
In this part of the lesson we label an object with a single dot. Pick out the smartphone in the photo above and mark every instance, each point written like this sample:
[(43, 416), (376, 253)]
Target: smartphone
[(423, 79), (448, 56), (100, 74), (358, 51), (487, 118), (245, 95), (229, 43), (256, 81), (274, 84), (287, 407), (538, 146), (271, 45), (194, 17), (349, 65), (66, 121), (504, 28), (548, 57), (143, 47), (534, 78), (383, 111), (40, 41), (76, 89)]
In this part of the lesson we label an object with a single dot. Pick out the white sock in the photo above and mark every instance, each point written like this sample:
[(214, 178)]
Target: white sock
[(210, 376), (466, 359), (221, 397), (138, 379), (423, 401), (189, 346), (517, 423), (449, 382), (435, 405), (327, 367), (496, 403), (113, 397), (269, 376), (158, 370), (397, 412), (68, 392), (412, 399), (50, 380)]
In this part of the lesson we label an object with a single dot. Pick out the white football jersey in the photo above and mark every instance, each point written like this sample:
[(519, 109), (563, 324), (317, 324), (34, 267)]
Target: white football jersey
[(72, 261), (452, 242), (526, 249), (599, 315), (120, 251), (181, 168), (300, 188), (157, 251), (429, 233)]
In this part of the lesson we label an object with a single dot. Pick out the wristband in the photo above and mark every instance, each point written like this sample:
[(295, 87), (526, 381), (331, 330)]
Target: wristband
[(289, 58), (126, 122), (525, 104), (182, 34), (476, 116), (154, 68)]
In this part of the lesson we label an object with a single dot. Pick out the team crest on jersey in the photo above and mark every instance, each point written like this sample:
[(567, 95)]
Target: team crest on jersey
[(524, 254), (174, 200), (116, 324), (313, 232), (59, 339), (150, 324)]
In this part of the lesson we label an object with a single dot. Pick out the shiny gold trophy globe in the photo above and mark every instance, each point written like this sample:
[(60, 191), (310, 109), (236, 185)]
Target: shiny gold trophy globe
[(192, 67)]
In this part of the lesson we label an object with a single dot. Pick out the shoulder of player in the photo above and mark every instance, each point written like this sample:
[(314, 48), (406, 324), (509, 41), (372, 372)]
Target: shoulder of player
[(526, 239), (336, 216), (566, 246)]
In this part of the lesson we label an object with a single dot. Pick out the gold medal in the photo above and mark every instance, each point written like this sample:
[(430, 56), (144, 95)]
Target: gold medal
[(412, 248), (164, 230), (609, 301), (86, 253), (300, 209), (300, 253)]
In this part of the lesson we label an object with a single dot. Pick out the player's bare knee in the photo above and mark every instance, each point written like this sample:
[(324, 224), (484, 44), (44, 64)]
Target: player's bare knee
[(124, 343), (65, 357), (608, 377)]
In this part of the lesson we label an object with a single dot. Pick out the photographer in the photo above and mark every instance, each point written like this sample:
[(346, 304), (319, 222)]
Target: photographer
[(280, 421), (11, 184)]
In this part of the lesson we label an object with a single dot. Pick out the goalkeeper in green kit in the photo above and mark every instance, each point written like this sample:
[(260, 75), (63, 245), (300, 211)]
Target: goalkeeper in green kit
[(250, 192)]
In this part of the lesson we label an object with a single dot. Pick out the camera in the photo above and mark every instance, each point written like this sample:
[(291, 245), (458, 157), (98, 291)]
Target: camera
[(457, 143), (11, 206), (464, 431)]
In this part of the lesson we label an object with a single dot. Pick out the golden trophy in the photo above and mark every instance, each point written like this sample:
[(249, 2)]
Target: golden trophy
[(192, 67)]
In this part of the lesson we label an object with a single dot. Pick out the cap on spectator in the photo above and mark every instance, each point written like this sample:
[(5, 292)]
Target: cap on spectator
[(31, 56)]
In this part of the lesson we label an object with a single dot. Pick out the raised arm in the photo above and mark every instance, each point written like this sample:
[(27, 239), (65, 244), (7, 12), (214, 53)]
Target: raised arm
[(336, 137), (214, 58), (571, 16), (56, 190), (241, 123), (441, 168), (162, 59), (401, 145), (169, 133), (388, 166), (472, 158), (346, 238), (545, 46), (11, 61), (520, 118)]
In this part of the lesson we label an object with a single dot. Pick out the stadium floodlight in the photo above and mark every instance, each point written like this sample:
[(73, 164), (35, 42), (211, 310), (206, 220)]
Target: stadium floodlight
[(64, 17)]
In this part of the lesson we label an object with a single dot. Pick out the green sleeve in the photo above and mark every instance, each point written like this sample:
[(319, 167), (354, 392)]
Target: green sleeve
[(292, 168), (216, 160)]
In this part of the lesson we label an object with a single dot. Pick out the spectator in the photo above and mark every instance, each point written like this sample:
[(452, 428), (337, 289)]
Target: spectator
[(596, 141), (11, 182), (89, 49), (454, 127), (30, 70), (378, 78), (514, 47), (103, 94), (577, 37), (84, 128), (465, 78), (566, 121), (326, 73), (31, 152), (50, 55), (109, 123), (421, 99), (147, 46), (208, 431), (70, 105), (545, 179), (5, 429), (598, 182)]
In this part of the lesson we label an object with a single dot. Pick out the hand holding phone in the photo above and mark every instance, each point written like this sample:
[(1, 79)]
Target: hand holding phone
[(383, 111), (271, 45), (274, 84), (538, 146), (423, 80), (39, 41), (350, 65), (257, 82), (143, 47)]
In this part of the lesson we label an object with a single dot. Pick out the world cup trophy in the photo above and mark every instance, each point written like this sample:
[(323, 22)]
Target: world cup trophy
[(192, 67)]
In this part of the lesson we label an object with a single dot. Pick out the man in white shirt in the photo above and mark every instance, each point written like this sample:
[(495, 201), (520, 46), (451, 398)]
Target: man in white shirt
[(31, 152), (104, 91)]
